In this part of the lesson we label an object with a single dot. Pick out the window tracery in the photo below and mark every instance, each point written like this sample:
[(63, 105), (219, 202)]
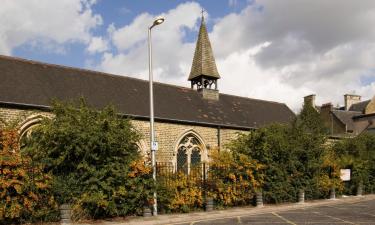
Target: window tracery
[(189, 153)]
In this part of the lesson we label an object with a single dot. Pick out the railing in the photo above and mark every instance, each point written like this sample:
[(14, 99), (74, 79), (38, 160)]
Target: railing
[(221, 182)]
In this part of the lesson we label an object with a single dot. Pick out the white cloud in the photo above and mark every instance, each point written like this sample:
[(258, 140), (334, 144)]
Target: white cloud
[(322, 47), (44, 22), (169, 50), (97, 45)]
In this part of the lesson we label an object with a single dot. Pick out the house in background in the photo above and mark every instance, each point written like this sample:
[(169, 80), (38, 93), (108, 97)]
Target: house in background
[(352, 119)]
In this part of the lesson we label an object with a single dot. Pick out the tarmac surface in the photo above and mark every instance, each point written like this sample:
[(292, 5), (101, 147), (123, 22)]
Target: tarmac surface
[(353, 213), (349, 210)]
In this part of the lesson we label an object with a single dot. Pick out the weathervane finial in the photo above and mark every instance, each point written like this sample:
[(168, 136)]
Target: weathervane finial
[(202, 11)]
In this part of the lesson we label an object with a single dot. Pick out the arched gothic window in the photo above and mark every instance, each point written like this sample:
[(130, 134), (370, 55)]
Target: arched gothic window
[(26, 128), (144, 150), (189, 153)]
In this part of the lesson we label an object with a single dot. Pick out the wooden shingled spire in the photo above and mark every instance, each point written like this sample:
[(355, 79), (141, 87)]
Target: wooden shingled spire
[(203, 70)]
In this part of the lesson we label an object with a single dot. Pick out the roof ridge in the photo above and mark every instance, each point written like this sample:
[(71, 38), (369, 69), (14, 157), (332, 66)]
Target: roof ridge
[(361, 102), (44, 81), (30, 61), (349, 111), (255, 99)]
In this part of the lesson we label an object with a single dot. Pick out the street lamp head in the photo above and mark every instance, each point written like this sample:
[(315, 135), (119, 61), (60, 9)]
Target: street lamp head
[(157, 21)]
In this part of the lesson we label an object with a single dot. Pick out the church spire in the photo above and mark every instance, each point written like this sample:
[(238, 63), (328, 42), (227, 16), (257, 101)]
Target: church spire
[(203, 70)]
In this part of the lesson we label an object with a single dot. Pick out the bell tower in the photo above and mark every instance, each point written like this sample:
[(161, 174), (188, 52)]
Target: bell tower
[(204, 74)]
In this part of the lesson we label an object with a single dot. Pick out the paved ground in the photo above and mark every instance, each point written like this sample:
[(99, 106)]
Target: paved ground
[(350, 210), (352, 213)]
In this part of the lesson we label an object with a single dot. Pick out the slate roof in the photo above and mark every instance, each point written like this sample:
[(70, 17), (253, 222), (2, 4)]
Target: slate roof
[(24, 82), (360, 106), (346, 117), (204, 60)]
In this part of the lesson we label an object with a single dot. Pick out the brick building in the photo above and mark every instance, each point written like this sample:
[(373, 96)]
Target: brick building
[(188, 121)]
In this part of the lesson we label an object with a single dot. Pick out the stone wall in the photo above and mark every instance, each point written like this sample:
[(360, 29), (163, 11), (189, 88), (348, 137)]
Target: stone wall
[(168, 135), (20, 116)]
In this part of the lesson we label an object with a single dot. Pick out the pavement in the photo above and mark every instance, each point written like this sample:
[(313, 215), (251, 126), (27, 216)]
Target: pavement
[(346, 210)]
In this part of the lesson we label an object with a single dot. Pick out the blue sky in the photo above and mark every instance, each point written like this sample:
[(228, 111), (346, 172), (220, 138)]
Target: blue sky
[(121, 13), (266, 49)]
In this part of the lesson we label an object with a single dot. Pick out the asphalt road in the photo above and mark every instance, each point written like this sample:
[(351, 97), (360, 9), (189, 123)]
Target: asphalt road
[(347, 213)]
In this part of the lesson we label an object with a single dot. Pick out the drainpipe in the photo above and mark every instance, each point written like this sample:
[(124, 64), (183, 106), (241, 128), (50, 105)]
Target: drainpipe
[(218, 137)]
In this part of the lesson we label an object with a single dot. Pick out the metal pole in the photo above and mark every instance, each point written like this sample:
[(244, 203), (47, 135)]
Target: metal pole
[(152, 131)]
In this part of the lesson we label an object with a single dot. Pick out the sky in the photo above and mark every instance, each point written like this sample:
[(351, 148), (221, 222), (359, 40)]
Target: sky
[(265, 49)]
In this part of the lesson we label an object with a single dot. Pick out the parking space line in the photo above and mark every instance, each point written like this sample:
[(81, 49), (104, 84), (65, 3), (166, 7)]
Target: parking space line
[(286, 220), (239, 220), (205, 220), (336, 218), (368, 214)]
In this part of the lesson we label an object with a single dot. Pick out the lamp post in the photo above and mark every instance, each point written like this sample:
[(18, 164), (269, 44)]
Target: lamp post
[(153, 145)]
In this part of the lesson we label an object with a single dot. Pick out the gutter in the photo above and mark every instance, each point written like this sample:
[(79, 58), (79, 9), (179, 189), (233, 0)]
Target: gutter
[(364, 116), (158, 119)]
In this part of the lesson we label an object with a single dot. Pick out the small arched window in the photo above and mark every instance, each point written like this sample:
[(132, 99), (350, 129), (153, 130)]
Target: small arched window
[(189, 153)]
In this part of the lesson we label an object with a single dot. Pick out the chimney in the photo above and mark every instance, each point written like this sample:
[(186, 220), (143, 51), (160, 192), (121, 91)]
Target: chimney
[(325, 114), (310, 100), (326, 108), (351, 99)]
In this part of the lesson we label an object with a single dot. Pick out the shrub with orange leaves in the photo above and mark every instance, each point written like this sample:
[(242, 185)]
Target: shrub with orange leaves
[(180, 193), (233, 178), (230, 179), (25, 193)]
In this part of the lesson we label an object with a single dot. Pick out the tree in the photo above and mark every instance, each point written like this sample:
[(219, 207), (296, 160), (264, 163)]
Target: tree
[(92, 155), (295, 155), (271, 147), (309, 136), (358, 154)]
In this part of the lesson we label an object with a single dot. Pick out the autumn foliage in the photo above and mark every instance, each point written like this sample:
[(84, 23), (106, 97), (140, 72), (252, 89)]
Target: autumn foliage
[(230, 179), (234, 178), (24, 188)]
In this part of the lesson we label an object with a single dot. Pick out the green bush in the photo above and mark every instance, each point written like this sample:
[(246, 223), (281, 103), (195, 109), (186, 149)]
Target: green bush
[(358, 154), (295, 155), (270, 147), (91, 155)]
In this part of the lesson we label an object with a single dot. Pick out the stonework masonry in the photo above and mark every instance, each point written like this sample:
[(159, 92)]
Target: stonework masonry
[(168, 135), (20, 115)]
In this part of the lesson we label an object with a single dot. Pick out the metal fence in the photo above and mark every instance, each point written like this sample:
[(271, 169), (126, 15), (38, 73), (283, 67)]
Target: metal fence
[(218, 180), (168, 172)]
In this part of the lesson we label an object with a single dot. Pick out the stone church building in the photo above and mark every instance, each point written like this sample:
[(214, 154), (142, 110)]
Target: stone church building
[(189, 122)]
